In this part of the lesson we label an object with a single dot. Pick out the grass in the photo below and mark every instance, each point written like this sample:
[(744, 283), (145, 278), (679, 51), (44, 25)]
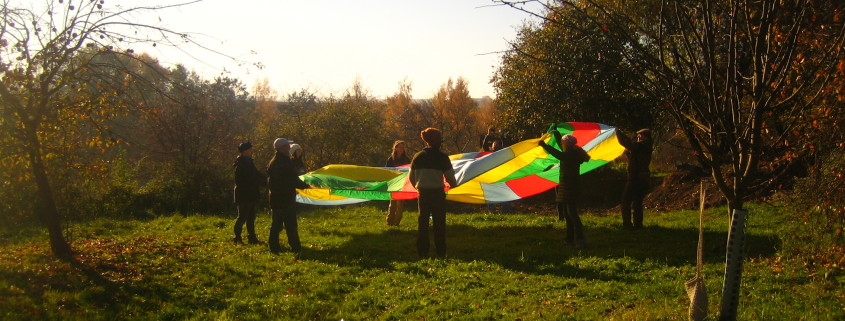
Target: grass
[(354, 267)]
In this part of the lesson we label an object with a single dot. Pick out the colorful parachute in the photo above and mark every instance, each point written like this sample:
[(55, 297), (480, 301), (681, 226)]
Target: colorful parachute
[(520, 170)]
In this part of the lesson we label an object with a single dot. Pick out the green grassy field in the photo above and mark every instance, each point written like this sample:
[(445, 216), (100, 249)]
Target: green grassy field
[(354, 267)]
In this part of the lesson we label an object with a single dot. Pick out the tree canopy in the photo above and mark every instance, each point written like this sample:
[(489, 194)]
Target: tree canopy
[(737, 78)]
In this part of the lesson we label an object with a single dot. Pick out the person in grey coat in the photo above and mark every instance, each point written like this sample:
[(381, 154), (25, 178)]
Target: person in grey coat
[(282, 181), (568, 190)]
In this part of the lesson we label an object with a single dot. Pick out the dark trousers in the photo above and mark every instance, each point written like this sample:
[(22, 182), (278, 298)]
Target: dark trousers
[(246, 215), (284, 217), (632, 201), (432, 203), (574, 227)]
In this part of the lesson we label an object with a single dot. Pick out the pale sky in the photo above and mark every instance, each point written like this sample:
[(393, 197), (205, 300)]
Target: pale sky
[(325, 45)]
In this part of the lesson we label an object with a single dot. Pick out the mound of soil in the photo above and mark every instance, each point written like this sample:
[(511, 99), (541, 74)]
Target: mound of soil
[(680, 190)]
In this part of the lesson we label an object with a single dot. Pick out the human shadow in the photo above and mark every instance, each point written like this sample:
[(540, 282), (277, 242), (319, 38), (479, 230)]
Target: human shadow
[(541, 249)]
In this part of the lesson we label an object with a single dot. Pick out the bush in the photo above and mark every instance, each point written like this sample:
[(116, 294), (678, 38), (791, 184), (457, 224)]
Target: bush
[(817, 208), (167, 192), (17, 202)]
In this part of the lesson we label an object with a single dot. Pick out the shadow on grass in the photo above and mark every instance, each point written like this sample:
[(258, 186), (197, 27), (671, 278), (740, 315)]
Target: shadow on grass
[(139, 294), (540, 250), (71, 277)]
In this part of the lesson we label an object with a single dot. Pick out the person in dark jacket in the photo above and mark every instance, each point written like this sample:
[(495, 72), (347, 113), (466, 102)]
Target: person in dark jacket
[(282, 181), (486, 143), (397, 158), (247, 182), (296, 157), (568, 190), (428, 169), (637, 187)]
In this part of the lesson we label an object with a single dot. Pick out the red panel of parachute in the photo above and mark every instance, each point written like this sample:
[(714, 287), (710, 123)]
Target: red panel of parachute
[(530, 185), (408, 191), (585, 132), (403, 195)]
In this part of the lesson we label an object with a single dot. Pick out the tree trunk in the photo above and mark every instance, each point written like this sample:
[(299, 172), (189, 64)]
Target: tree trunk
[(733, 259), (46, 207)]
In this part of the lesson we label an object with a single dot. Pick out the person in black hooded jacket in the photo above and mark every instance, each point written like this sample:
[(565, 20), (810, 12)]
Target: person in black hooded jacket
[(247, 182)]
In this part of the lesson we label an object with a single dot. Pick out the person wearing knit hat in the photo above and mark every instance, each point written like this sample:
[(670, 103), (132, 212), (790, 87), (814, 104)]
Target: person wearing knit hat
[(247, 182), (281, 142), (571, 156), (637, 186), (296, 157), (282, 182), (294, 148), (429, 168)]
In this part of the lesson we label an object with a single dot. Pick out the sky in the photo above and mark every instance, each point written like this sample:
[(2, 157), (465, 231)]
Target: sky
[(324, 46)]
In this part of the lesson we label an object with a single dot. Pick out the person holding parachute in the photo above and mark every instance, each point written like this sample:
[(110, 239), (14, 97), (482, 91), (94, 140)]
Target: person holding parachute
[(571, 156)]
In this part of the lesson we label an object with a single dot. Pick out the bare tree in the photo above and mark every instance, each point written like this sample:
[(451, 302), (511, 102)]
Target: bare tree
[(40, 63)]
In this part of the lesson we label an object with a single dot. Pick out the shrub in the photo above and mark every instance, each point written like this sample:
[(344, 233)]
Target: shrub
[(817, 218)]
